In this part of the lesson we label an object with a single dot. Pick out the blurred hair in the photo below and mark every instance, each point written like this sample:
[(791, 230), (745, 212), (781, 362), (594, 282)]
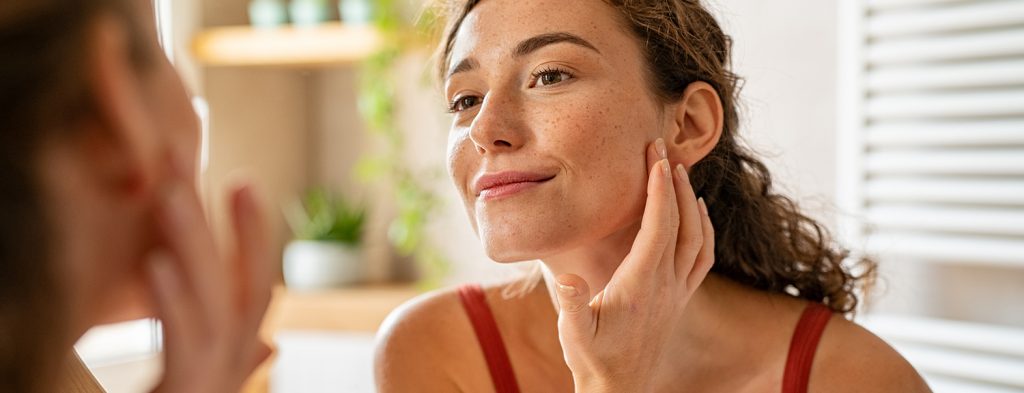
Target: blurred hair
[(762, 238), (43, 91)]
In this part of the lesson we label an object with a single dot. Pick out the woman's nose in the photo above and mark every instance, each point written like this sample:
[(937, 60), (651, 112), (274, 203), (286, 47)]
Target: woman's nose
[(498, 127)]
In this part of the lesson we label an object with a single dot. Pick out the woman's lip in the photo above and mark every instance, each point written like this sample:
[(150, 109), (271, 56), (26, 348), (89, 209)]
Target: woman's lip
[(508, 189), (503, 183)]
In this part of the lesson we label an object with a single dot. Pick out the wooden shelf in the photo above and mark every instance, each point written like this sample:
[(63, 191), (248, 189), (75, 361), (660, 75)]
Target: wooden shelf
[(346, 309), (325, 45)]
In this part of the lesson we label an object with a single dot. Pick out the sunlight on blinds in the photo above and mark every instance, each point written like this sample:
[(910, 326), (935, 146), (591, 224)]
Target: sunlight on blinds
[(932, 131)]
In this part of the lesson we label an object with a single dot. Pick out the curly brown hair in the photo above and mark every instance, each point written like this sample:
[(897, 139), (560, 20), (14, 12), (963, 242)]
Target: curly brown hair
[(762, 238)]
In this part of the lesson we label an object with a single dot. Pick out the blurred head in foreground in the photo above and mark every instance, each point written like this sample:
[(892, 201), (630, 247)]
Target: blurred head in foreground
[(91, 112)]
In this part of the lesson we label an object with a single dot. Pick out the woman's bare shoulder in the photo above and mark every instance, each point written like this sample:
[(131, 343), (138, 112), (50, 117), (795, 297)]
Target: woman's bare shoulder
[(418, 341), (852, 359), (428, 344)]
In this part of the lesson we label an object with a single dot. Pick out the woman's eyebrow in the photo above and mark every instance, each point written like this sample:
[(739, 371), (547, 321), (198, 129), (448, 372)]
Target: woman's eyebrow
[(528, 46), (467, 64), (536, 42)]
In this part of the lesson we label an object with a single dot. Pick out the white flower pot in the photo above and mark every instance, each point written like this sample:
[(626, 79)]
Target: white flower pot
[(310, 265)]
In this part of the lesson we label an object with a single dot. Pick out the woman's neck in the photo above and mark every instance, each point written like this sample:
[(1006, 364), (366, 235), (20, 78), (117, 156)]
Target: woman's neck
[(595, 262)]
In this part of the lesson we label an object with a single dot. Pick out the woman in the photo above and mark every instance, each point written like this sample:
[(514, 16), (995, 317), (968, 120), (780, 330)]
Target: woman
[(563, 109), (101, 214)]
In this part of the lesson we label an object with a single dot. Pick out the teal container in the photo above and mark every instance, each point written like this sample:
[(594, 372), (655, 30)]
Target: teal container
[(356, 12), (308, 13), (267, 13)]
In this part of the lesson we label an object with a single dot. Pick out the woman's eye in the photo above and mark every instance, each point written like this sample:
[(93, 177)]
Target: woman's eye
[(550, 77), (462, 103)]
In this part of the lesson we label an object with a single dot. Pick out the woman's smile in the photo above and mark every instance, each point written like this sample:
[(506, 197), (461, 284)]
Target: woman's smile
[(500, 185)]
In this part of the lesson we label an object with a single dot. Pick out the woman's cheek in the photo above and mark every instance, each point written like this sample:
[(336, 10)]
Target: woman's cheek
[(461, 166), (460, 163)]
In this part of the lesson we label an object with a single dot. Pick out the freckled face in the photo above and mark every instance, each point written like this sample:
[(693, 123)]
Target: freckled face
[(570, 113)]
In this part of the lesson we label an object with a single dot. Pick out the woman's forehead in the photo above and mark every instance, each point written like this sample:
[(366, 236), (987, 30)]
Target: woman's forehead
[(494, 28)]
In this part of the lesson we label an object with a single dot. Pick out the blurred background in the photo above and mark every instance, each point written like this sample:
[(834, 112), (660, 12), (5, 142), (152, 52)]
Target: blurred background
[(899, 123)]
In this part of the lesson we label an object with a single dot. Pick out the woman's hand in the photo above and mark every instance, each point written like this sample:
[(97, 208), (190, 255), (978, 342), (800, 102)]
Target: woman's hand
[(613, 341), (211, 306)]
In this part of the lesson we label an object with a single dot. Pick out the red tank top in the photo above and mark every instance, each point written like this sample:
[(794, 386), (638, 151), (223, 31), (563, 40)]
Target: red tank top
[(798, 362)]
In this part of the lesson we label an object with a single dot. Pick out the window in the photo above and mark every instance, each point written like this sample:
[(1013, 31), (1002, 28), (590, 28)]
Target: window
[(932, 170)]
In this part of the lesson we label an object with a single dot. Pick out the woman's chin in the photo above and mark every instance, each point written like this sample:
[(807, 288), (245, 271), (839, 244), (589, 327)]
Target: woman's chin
[(508, 249), (509, 256), (518, 240)]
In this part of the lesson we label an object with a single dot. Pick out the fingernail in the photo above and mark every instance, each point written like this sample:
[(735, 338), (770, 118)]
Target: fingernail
[(567, 290), (666, 169), (703, 205), (660, 145), (681, 172)]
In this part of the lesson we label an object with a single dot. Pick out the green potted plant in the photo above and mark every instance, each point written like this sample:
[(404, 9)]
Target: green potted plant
[(327, 249)]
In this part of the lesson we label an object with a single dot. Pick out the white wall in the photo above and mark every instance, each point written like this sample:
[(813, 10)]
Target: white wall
[(786, 51)]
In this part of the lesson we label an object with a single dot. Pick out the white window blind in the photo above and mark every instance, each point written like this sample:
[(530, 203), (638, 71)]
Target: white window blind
[(932, 172)]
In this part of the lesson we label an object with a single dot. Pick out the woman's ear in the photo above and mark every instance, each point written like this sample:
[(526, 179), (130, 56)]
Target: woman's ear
[(121, 142), (695, 126)]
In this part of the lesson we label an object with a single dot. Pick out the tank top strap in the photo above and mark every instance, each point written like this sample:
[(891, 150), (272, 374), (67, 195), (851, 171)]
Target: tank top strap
[(803, 347), (489, 337)]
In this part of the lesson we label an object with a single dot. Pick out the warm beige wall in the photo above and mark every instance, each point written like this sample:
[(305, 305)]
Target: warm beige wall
[(289, 129), (259, 125), (224, 12)]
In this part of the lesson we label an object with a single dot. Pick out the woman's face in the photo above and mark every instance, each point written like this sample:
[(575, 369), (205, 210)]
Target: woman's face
[(552, 115), (157, 121), (168, 103), (171, 122)]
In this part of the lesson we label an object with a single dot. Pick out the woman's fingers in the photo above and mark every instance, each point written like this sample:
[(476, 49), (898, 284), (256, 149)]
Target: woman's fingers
[(690, 235), (576, 319), (656, 151), (188, 239), (252, 261), (706, 258), (179, 313), (254, 275), (652, 248)]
